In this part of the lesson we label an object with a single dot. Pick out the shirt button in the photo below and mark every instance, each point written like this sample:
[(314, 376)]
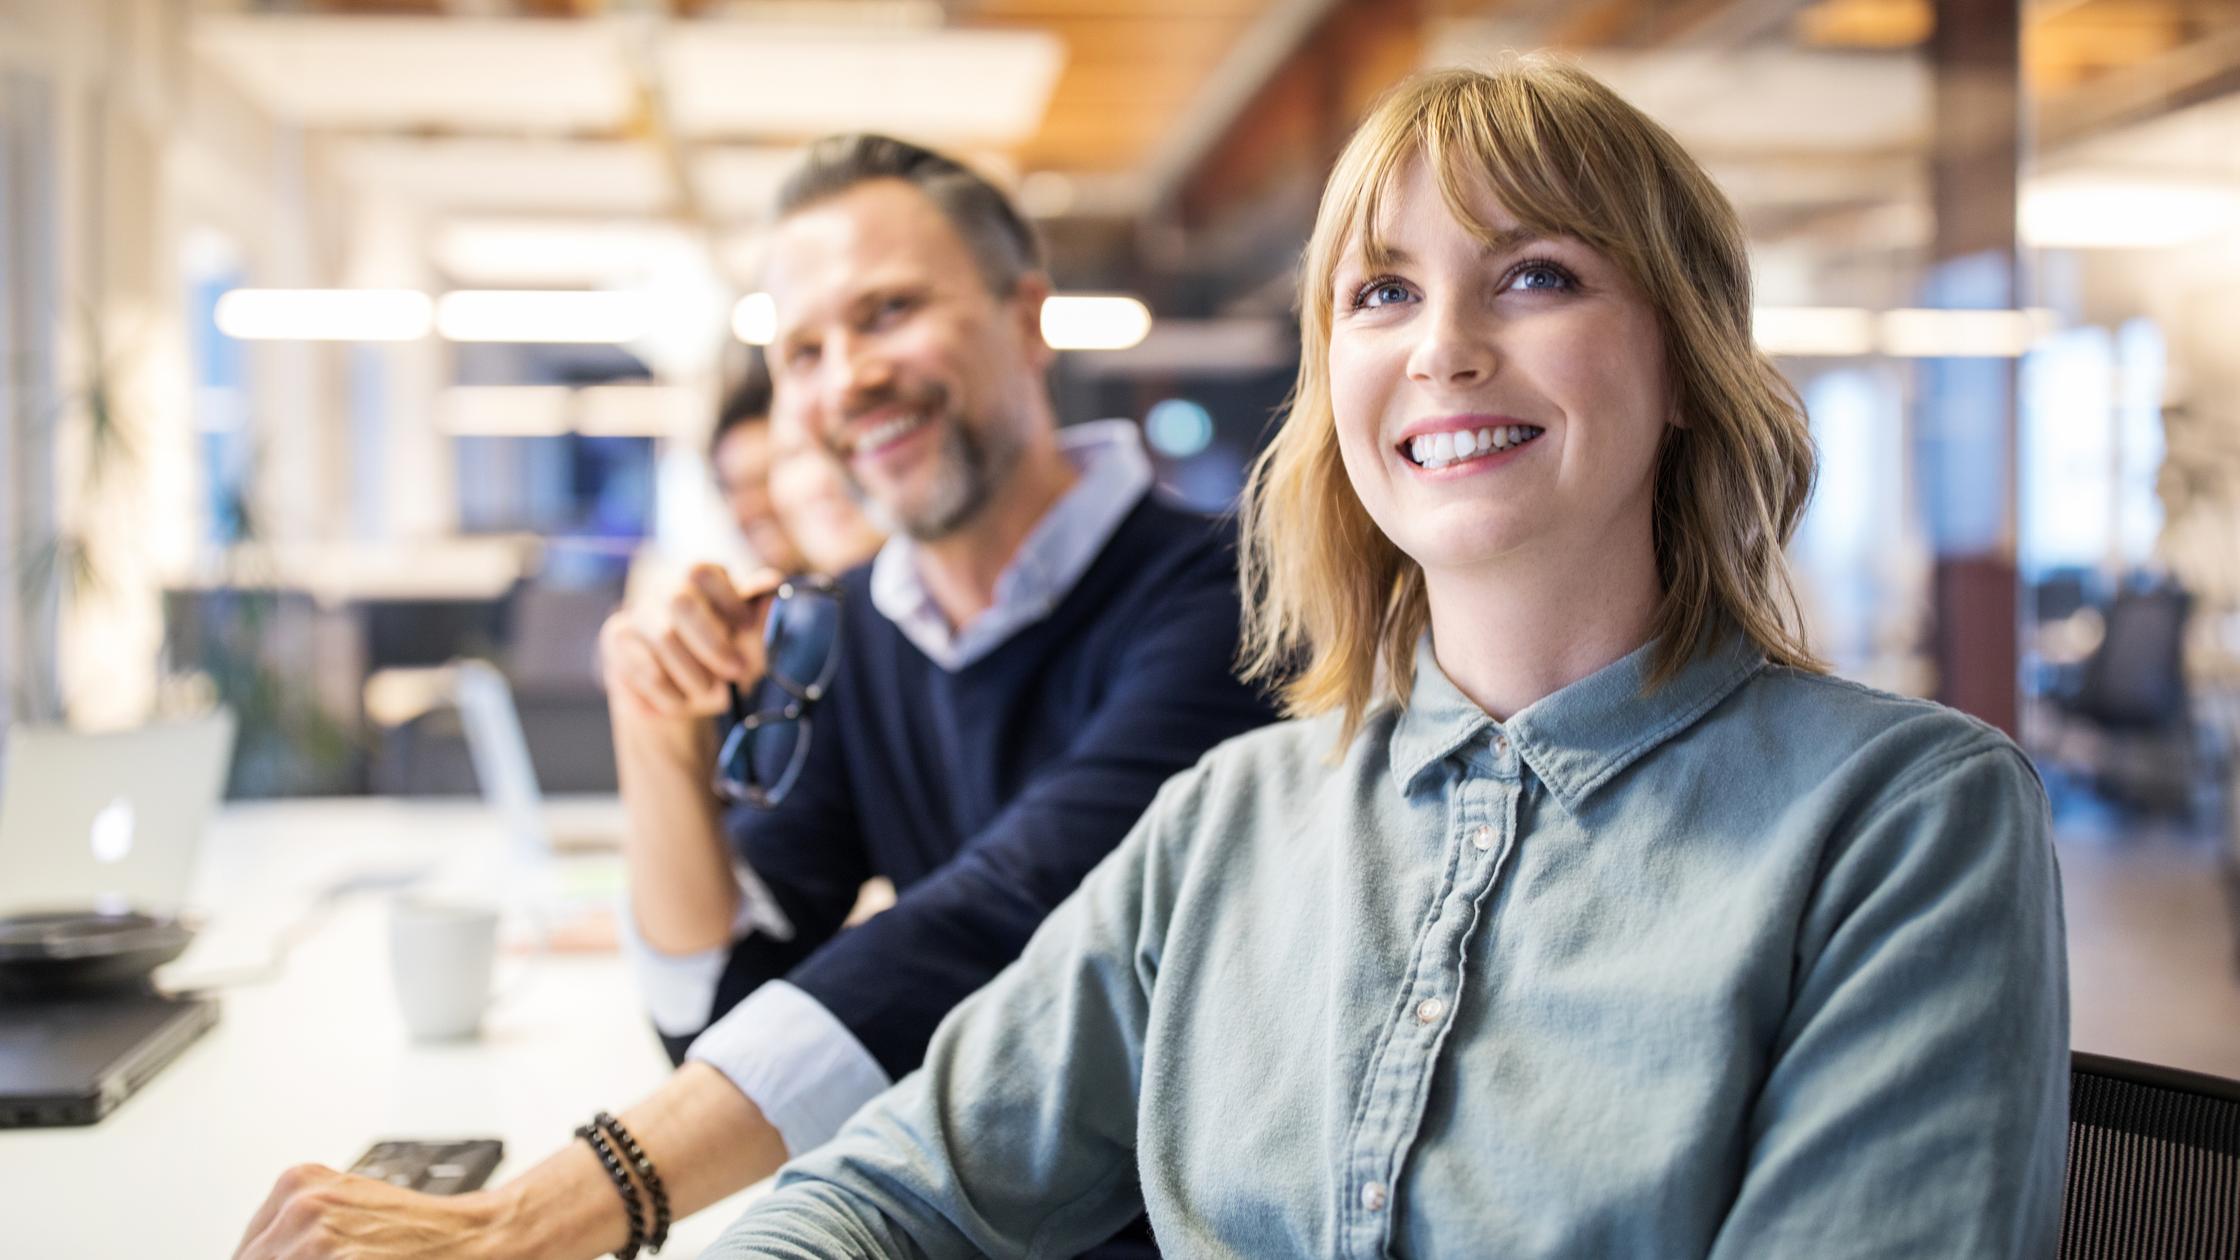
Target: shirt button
[(1482, 838), (1429, 1010), (1372, 1196), (1501, 745)]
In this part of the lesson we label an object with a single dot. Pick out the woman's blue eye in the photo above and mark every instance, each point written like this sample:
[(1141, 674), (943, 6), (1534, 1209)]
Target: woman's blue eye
[(1540, 276), (1382, 293)]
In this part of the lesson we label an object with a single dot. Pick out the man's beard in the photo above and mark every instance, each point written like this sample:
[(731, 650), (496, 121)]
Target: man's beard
[(971, 464)]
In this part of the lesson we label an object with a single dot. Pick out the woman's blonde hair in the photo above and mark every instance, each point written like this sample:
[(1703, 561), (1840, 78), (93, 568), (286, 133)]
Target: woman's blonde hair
[(1327, 596)]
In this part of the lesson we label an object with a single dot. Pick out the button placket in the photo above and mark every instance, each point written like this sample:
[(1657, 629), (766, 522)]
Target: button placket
[(1439, 959)]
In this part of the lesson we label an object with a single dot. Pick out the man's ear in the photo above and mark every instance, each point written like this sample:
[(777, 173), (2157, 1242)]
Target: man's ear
[(1027, 296)]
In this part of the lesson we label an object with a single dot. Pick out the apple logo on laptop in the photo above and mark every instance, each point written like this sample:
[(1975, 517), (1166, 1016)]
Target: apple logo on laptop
[(112, 831)]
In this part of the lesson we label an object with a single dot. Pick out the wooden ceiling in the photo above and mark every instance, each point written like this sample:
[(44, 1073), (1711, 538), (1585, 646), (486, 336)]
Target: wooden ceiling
[(2066, 44), (1133, 68)]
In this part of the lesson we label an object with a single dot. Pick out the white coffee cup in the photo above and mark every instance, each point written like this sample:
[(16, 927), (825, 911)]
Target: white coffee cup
[(442, 955)]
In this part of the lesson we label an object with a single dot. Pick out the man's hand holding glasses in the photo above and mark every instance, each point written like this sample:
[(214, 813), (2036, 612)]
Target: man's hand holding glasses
[(683, 659), (763, 653)]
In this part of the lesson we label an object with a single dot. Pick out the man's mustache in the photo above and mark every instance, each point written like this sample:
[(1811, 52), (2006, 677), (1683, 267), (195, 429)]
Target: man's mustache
[(930, 398)]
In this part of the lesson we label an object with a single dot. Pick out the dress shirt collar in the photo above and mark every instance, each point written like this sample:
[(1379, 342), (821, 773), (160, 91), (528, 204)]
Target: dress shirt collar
[(1578, 738), (1115, 474)]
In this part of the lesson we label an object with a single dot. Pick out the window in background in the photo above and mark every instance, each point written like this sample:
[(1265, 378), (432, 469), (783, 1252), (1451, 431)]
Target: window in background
[(2069, 455), (565, 485), (221, 389), (1852, 548), (2142, 361), (591, 497), (369, 377)]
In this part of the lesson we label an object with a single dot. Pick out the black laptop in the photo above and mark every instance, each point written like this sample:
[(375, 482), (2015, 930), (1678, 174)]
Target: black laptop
[(72, 1060)]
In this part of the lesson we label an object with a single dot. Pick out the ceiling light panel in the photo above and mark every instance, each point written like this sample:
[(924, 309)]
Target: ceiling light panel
[(555, 253), (1774, 98), (324, 314), (512, 176), (390, 73), (739, 182), (945, 86), (2119, 211), (544, 315)]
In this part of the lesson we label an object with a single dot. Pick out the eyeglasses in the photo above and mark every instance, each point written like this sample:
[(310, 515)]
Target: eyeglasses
[(769, 737)]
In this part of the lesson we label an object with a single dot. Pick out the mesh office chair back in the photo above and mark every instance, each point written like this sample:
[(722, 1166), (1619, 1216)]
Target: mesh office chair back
[(2154, 1163)]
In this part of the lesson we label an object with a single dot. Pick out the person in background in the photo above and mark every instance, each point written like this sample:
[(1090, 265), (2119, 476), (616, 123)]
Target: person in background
[(1577, 912), (742, 452), (809, 492), (1041, 644)]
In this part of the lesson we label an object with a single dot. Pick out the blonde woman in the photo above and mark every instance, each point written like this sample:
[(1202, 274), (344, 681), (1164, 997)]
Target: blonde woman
[(1578, 913)]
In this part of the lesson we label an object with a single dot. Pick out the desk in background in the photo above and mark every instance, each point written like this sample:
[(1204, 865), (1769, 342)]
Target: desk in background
[(313, 1065)]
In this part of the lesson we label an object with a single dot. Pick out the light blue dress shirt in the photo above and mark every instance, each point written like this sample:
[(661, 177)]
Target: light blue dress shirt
[(1760, 964), (802, 1067)]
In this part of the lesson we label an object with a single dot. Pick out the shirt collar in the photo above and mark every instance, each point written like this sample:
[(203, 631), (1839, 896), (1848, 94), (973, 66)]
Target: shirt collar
[(1114, 475), (1578, 738)]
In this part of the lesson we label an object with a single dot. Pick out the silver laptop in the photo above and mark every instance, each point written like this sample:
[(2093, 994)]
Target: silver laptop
[(110, 820)]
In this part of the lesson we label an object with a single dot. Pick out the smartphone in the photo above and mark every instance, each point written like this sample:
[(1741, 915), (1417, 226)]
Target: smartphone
[(432, 1167)]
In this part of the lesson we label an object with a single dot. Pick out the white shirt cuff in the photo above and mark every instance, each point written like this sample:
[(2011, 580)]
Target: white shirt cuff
[(795, 1060), (679, 990)]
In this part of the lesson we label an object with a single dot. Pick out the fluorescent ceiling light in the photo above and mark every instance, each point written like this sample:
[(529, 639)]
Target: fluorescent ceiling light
[(941, 86), (1958, 334), (755, 319), (392, 72), (2081, 212), (503, 410), (543, 315), (1070, 321), (1082, 321), (1813, 330), (503, 253), (510, 177), (323, 314)]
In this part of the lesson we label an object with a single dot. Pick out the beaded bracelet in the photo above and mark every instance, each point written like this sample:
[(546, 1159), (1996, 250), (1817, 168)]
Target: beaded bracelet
[(646, 1175), (597, 1137)]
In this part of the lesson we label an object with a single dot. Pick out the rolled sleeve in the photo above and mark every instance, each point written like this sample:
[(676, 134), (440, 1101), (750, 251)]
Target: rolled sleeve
[(795, 1060)]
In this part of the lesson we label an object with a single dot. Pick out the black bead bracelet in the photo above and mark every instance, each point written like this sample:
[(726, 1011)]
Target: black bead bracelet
[(646, 1176), (593, 1134)]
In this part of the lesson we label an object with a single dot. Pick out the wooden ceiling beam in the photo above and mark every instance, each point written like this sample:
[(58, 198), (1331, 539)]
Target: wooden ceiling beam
[(1296, 123)]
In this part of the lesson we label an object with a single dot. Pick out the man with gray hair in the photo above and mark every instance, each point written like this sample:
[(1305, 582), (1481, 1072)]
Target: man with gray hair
[(1041, 644)]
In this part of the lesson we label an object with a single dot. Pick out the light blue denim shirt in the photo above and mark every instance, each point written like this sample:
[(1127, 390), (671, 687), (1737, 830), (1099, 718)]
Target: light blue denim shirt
[(1761, 964)]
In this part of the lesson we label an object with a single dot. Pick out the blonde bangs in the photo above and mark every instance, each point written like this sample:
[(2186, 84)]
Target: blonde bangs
[(1332, 609)]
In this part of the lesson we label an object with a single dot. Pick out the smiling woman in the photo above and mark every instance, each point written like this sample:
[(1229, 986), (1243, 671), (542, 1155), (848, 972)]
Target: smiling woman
[(1578, 913), (1573, 245)]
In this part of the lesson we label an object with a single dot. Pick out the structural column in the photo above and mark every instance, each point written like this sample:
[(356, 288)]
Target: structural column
[(1965, 423)]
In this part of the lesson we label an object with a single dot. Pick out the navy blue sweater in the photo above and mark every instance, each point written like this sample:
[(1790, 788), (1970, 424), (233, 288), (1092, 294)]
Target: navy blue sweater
[(987, 794)]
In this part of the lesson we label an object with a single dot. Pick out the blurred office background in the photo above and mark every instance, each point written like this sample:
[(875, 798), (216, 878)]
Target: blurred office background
[(342, 338)]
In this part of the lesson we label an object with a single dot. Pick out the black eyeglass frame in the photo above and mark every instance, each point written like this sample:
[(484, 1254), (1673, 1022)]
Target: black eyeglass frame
[(801, 697)]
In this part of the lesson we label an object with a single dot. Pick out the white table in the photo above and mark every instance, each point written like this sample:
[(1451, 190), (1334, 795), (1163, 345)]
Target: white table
[(314, 1065)]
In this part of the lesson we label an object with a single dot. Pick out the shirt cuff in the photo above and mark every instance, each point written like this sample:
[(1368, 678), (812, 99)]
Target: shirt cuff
[(679, 990), (795, 1060)]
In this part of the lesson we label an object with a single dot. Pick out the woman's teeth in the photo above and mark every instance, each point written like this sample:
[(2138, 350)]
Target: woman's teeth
[(873, 439), (1437, 450)]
